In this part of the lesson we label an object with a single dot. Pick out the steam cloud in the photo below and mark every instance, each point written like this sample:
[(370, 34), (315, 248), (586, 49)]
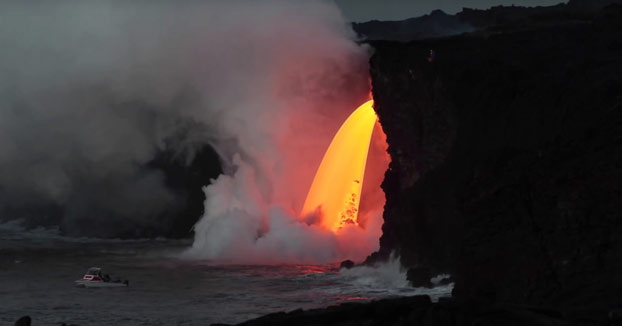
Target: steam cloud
[(90, 91)]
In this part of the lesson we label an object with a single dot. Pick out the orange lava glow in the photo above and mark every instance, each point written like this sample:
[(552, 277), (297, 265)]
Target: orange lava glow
[(336, 189)]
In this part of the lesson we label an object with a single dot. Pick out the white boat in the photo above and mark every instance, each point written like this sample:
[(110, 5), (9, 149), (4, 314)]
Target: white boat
[(95, 279)]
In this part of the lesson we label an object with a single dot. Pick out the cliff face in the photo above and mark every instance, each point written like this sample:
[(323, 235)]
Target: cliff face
[(436, 24), (507, 159), (499, 18)]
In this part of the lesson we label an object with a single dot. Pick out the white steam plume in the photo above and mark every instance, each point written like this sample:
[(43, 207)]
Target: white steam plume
[(90, 90), (315, 77)]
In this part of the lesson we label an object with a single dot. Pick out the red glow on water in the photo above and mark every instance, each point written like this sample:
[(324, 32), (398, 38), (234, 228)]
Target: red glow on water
[(353, 298), (313, 269)]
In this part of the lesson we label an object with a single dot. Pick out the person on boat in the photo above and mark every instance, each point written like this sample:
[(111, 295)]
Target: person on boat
[(432, 55)]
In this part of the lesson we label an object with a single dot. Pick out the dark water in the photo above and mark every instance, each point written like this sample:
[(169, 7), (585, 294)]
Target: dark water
[(37, 270)]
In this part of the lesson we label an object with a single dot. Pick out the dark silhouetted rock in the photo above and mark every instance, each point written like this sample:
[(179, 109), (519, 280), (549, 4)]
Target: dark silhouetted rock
[(419, 276), (23, 321), (347, 264), (178, 177), (591, 5), (186, 176), (496, 19), (183, 174), (436, 24), (421, 312), (382, 312), (507, 159)]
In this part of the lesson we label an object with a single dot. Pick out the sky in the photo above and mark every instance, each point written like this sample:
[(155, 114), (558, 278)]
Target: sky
[(365, 10)]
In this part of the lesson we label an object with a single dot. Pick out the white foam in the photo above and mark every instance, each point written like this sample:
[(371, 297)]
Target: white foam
[(386, 279)]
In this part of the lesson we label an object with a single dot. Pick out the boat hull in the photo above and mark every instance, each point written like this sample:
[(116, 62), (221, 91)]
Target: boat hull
[(97, 284)]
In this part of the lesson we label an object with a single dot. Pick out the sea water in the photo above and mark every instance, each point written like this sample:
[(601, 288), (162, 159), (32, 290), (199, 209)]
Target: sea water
[(38, 269)]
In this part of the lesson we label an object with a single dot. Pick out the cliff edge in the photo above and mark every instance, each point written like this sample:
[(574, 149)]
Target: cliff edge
[(507, 160)]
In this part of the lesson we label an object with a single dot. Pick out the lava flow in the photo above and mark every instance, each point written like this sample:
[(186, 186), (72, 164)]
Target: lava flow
[(336, 189)]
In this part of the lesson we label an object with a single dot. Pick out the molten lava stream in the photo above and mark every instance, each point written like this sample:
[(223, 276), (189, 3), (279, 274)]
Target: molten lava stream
[(336, 187)]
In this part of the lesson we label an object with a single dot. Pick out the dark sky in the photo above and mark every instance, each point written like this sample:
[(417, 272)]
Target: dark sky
[(364, 10)]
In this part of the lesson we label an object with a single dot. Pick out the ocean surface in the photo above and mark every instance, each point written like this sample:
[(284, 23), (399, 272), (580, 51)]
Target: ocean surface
[(38, 269)]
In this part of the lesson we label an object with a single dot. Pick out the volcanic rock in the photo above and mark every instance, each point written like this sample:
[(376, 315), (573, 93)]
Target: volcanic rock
[(23, 321), (347, 264), (420, 311), (507, 158), (186, 177), (419, 277), (494, 20), (436, 24)]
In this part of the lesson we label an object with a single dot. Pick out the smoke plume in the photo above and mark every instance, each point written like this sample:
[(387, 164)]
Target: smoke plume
[(90, 91)]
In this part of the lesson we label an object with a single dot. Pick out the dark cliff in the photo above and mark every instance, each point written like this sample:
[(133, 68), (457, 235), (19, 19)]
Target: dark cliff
[(492, 20), (436, 24), (507, 159)]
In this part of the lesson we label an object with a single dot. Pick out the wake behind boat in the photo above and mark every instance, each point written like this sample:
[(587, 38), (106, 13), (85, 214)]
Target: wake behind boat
[(95, 279)]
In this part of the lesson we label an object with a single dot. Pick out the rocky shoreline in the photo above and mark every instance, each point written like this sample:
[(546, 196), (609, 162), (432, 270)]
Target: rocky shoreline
[(420, 311)]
